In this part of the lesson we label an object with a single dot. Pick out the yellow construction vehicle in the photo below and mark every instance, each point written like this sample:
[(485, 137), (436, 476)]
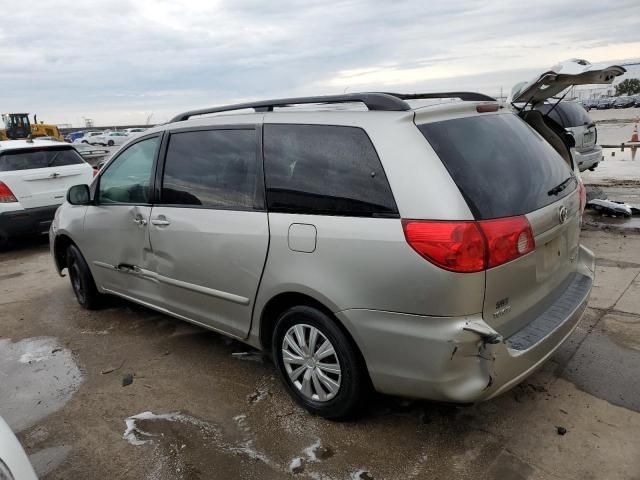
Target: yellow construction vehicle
[(17, 126)]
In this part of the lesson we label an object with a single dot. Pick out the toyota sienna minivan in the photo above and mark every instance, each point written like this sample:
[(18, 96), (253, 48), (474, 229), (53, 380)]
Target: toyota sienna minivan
[(426, 252)]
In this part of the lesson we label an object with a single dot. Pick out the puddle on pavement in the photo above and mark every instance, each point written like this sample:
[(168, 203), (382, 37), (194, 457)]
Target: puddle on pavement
[(38, 377), (187, 447), (623, 330)]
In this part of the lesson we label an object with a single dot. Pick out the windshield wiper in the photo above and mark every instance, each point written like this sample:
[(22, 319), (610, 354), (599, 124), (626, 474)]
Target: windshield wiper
[(560, 187), (53, 159)]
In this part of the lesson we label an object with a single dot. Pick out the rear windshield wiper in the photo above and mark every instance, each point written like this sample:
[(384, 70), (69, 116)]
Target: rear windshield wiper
[(560, 187)]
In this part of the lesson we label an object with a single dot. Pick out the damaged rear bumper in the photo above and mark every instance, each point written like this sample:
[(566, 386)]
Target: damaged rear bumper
[(462, 359)]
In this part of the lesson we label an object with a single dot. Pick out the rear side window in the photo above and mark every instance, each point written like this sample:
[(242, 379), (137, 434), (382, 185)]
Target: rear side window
[(567, 114), (501, 166), (38, 158), (324, 170), (211, 168)]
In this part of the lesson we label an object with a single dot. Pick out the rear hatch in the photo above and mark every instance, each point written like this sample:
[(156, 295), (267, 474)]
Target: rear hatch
[(562, 76), (41, 176), (503, 169)]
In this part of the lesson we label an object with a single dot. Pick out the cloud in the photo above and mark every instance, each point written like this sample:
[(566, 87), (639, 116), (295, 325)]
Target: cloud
[(120, 60)]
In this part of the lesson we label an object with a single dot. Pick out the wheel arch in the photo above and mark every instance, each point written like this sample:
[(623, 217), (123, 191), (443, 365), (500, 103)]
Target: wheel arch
[(285, 300), (60, 245)]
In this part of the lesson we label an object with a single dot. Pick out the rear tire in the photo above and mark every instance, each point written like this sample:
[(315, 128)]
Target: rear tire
[(593, 167), (319, 364), (82, 281)]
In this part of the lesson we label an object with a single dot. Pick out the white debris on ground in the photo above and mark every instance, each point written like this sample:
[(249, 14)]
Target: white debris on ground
[(249, 356), (95, 332), (311, 451), (296, 465), (361, 474), (135, 436), (247, 446)]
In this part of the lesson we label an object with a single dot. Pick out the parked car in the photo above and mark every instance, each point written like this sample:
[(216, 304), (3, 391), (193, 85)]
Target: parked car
[(604, 103), (589, 104), (14, 463), (88, 136), (623, 102), (135, 130), (34, 178), (110, 139), (71, 137), (636, 101), (357, 247), (91, 153), (575, 119)]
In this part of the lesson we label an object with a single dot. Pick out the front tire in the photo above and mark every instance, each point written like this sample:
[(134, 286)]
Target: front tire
[(82, 281), (318, 363), (110, 143)]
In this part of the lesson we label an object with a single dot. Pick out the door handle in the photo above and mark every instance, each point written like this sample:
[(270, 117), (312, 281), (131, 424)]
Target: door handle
[(160, 223)]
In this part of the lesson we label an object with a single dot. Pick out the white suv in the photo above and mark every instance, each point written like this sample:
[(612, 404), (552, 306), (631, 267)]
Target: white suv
[(34, 178), (88, 137)]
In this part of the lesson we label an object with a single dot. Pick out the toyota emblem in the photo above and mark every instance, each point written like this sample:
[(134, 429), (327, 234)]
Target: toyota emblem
[(562, 214)]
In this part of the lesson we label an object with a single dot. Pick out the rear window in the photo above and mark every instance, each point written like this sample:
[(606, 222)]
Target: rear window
[(501, 166), (567, 114), (38, 158), (324, 170)]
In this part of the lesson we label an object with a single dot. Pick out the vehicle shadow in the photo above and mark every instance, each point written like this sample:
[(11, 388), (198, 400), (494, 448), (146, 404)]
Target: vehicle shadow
[(24, 245)]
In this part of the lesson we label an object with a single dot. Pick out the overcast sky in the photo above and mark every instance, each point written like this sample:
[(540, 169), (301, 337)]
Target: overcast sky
[(118, 61)]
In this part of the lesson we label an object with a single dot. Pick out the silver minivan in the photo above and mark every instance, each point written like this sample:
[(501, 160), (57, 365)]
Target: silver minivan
[(428, 252), (572, 116)]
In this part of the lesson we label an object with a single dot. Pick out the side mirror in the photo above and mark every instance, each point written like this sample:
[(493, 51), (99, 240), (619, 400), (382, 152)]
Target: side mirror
[(79, 195)]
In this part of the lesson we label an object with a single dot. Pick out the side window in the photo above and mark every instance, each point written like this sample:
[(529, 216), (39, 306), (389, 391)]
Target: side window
[(211, 168), (127, 179), (325, 170)]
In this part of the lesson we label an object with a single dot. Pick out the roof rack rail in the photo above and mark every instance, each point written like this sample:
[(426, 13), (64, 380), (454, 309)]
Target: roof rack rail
[(373, 101), (380, 101), (465, 96)]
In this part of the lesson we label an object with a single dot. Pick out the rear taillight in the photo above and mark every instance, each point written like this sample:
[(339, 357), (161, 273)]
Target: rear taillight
[(456, 246), (95, 170), (582, 190), (468, 246), (507, 239), (6, 195)]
